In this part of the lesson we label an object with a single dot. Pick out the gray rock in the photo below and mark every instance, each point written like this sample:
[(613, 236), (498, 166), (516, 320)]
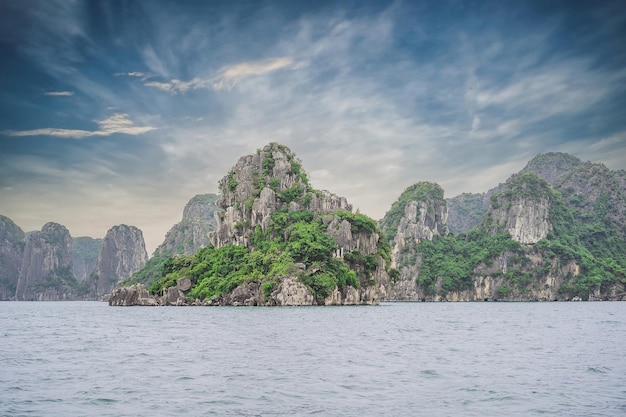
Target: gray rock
[(46, 270), (122, 253)]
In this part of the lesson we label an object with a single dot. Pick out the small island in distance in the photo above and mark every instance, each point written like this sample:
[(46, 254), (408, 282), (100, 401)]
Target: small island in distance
[(556, 230)]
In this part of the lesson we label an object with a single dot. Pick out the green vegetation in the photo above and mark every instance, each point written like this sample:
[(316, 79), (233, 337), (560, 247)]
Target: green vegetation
[(527, 184), (454, 258), (152, 271), (428, 192), (586, 232), (292, 239), (62, 276), (465, 211), (86, 248)]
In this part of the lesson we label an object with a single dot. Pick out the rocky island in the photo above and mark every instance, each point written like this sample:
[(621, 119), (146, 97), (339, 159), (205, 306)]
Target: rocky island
[(554, 231), (277, 241)]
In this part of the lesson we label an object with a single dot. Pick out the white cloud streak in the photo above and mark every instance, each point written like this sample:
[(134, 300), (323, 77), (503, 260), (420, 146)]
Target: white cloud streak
[(227, 77), (117, 123), (59, 93)]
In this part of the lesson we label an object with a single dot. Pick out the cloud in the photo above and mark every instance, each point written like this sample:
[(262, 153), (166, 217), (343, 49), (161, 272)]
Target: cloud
[(134, 74), (255, 68), (117, 123), (59, 93), (227, 77)]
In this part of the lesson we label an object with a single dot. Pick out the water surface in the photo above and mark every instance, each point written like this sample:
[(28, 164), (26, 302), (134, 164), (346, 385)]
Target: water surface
[(470, 359)]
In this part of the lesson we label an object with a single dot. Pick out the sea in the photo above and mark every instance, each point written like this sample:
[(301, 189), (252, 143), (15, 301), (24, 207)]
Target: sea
[(395, 359)]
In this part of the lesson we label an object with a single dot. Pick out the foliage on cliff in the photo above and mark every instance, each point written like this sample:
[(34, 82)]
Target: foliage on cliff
[(293, 241), (426, 192), (274, 225), (585, 228), (465, 211)]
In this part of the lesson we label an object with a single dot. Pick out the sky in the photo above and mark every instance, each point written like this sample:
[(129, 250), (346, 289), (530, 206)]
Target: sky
[(118, 112)]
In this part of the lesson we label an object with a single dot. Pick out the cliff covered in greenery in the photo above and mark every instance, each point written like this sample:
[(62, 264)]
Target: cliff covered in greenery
[(278, 241), (184, 238), (537, 240)]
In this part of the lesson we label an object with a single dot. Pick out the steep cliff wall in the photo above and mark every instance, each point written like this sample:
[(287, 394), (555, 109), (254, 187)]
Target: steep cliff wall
[(123, 252), (46, 270), (552, 165), (192, 232), (278, 241), (535, 242), (522, 209), (419, 214), (85, 252), (260, 184), (12, 242), (466, 210)]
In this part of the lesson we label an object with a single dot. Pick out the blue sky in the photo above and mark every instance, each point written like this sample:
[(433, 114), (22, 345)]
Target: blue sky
[(120, 111)]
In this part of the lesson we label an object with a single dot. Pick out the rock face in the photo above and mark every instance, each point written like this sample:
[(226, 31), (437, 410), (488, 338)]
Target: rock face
[(192, 232), (522, 209), (552, 165), (85, 256), (567, 225), (123, 252), (297, 245), (46, 270), (135, 295), (260, 184), (465, 211), (420, 213), (12, 242)]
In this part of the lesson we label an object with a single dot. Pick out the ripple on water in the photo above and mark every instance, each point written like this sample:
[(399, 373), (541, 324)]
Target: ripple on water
[(469, 359)]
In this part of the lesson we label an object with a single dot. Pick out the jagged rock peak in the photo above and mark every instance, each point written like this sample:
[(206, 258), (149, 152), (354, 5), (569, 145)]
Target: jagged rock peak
[(419, 213), (192, 232), (257, 186), (521, 208), (46, 270), (201, 206), (550, 166), (123, 252)]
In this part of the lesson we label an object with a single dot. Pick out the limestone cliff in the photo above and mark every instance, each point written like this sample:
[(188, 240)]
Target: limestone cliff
[(85, 252), (12, 241), (522, 209), (192, 232), (46, 270), (535, 242), (272, 181), (552, 165), (597, 197), (278, 241), (260, 184), (466, 210), (419, 214), (123, 252)]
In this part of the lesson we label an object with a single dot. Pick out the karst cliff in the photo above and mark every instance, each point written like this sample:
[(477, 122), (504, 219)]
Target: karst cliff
[(277, 241)]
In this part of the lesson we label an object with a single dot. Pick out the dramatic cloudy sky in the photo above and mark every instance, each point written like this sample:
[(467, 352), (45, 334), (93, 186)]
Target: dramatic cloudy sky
[(120, 111)]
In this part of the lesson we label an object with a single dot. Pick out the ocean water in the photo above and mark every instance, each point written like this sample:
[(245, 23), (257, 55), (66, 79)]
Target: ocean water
[(397, 359)]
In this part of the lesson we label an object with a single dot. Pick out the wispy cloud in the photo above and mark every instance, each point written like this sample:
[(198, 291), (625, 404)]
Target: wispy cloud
[(135, 74), (117, 123), (226, 78), (59, 93)]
